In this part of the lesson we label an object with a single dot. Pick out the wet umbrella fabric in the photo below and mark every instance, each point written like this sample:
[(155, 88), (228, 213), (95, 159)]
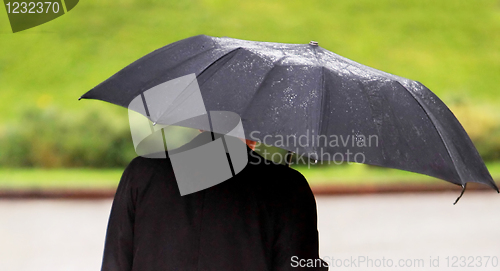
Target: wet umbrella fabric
[(293, 91)]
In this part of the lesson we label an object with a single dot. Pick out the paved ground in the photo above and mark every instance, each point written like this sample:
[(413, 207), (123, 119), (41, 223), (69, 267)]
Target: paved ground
[(405, 229), (400, 230)]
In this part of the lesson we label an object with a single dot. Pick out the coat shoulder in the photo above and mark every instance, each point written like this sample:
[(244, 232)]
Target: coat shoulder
[(141, 169), (283, 181)]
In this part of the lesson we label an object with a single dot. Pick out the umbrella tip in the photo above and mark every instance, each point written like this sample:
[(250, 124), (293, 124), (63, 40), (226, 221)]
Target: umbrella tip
[(313, 43), (461, 194), (80, 98)]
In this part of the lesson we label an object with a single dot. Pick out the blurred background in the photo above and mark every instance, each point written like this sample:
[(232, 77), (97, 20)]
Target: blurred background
[(50, 141)]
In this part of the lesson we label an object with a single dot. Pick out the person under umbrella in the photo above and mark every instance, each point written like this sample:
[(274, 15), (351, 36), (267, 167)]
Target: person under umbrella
[(279, 90), (264, 218)]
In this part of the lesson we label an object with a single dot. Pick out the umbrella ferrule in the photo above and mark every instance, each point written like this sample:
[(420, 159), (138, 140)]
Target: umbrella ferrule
[(461, 194)]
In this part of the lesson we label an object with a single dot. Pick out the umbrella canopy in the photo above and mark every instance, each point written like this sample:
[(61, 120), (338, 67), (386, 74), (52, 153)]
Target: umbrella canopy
[(311, 101)]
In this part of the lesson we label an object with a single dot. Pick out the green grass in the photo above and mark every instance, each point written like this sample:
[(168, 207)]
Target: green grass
[(449, 45), (355, 174), (60, 178)]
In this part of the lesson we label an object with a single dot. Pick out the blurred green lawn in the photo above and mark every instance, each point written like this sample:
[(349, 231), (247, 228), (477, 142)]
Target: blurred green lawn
[(354, 174), (451, 46)]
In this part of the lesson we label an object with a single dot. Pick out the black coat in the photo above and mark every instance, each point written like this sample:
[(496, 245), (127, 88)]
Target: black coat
[(257, 220)]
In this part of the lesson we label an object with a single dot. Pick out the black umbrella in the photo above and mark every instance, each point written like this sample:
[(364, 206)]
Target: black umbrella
[(308, 100)]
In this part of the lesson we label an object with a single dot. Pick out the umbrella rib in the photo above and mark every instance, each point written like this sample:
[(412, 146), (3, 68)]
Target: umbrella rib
[(313, 48), (432, 119), (217, 61), (260, 85), (323, 101), (179, 101)]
